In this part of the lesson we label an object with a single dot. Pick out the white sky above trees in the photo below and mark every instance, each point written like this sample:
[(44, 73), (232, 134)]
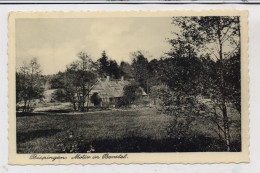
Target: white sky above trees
[(56, 42)]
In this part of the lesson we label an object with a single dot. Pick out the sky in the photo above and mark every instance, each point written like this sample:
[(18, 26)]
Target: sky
[(56, 42)]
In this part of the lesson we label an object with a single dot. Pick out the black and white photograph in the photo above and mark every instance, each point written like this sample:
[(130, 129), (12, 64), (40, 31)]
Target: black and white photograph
[(165, 84)]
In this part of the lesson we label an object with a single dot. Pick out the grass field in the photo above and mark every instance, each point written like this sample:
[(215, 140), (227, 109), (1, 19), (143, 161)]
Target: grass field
[(109, 131)]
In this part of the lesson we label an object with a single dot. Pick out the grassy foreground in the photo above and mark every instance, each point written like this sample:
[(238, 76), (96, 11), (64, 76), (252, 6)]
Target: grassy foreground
[(109, 131)]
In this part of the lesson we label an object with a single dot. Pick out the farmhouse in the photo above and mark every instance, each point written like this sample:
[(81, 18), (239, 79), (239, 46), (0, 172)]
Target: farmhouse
[(107, 92)]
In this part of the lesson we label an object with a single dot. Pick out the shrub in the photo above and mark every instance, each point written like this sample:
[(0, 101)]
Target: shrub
[(184, 108), (74, 144), (59, 95)]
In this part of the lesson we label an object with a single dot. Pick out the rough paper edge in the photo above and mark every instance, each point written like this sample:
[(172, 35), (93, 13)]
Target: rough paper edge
[(138, 158)]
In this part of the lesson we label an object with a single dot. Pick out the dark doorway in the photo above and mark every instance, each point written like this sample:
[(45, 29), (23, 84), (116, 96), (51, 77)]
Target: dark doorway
[(95, 99)]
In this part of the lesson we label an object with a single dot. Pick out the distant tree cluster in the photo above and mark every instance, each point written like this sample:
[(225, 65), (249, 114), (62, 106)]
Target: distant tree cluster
[(108, 67)]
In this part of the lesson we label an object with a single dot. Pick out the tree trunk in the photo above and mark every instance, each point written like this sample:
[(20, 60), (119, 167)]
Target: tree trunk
[(226, 126), (78, 100), (83, 106), (88, 103), (74, 106), (29, 104), (83, 96), (216, 119), (222, 90)]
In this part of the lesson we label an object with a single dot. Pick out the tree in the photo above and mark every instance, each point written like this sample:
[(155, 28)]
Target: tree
[(56, 81), (79, 80), (184, 109), (126, 70), (160, 92), (60, 95), (114, 70), (130, 94), (108, 67), (29, 85), (140, 69), (217, 36), (71, 88), (103, 65), (156, 75), (232, 81)]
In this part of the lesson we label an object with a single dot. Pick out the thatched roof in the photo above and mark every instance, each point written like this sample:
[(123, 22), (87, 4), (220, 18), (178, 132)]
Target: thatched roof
[(110, 88)]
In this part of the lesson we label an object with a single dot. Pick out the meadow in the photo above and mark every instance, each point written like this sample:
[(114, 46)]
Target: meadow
[(134, 130)]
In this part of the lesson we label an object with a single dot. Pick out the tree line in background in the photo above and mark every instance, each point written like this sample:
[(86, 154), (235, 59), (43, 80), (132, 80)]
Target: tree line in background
[(198, 78)]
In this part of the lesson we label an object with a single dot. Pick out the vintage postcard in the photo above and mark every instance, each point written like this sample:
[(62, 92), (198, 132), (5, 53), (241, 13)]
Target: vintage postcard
[(128, 87)]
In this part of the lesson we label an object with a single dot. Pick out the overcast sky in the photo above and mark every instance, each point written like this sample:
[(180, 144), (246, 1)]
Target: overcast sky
[(56, 42)]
